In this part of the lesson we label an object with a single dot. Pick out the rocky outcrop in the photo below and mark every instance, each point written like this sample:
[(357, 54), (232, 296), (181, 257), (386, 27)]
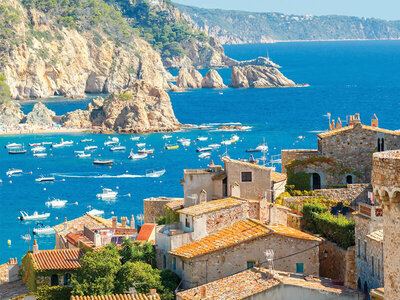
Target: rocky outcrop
[(259, 77), (139, 108), (189, 79), (11, 113), (213, 80), (40, 116), (173, 88)]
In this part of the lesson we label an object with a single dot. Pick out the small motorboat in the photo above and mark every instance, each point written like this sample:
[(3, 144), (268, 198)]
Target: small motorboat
[(38, 149), (137, 155), (227, 142), (86, 140), (202, 138), (171, 147), (140, 145), (47, 143), (214, 146), (43, 230), (153, 173), (12, 172), (39, 154), (234, 138), (12, 146), (186, 144), (205, 155), (111, 142), (107, 162), (118, 148), (88, 148), (56, 203), (44, 179), (204, 149), (135, 138), (260, 148), (145, 151), (83, 155), (68, 143), (95, 212), (166, 137), (182, 140), (59, 145), (107, 194), (36, 216), (34, 144), (17, 151)]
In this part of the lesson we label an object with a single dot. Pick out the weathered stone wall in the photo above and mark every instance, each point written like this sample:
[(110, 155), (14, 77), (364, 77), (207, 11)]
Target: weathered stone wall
[(294, 221), (154, 208), (222, 218), (350, 278), (223, 263), (276, 214), (354, 193), (299, 154)]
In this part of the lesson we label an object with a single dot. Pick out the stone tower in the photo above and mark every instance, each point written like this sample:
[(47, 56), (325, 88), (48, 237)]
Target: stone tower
[(386, 185)]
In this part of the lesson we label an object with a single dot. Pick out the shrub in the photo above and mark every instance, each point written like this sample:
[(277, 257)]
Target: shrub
[(125, 96), (45, 292)]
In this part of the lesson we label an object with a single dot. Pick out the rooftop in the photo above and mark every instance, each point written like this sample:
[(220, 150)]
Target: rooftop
[(210, 206), (59, 259), (376, 235), (118, 297), (366, 127), (278, 177), (145, 232), (245, 163), (175, 204), (76, 225), (235, 234)]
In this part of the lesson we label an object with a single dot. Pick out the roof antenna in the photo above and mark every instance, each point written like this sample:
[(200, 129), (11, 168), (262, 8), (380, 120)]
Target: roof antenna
[(269, 255)]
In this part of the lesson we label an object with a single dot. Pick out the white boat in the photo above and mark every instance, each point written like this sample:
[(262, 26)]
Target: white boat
[(140, 145), (186, 144), (145, 151), (205, 155), (43, 230), (88, 148), (44, 179), (118, 148), (83, 155), (262, 148), (56, 203), (234, 138), (137, 155), (202, 138), (68, 143), (203, 149), (36, 216), (12, 172), (86, 140), (39, 154), (38, 149), (153, 173), (34, 144), (109, 143), (214, 146), (47, 143), (26, 237), (182, 140), (166, 137), (95, 212), (107, 194), (106, 162), (59, 145), (13, 145), (79, 152), (227, 142), (135, 138)]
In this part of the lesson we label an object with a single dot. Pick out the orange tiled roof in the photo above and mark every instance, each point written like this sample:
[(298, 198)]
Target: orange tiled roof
[(278, 177), (118, 297), (73, 238), (293, 233), (245, 163), (77, 225), (210, 206), (366, 127), (175, 204), (59, 259), (145, 232), (237, 233)]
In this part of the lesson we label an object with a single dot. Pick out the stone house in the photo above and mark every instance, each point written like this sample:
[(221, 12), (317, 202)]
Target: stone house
[(344, 155), (259, 284), (369, 247), (49, 267), (242, 246)]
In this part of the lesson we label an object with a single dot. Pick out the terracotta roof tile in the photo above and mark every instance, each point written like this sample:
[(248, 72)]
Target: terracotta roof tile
[(60, 259), (118, 297), (73, 238), (278, 177), (210, 206), (175, 204), (76, 225), (292, 232), (237, 233), (145, 232), (245, 163)]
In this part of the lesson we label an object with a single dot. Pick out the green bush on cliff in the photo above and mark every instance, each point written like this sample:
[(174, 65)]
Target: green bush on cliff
[(5, 94)]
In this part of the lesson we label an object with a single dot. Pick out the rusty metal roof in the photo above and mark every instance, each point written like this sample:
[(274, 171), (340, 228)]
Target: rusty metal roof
[(210, 206), (59, 259)]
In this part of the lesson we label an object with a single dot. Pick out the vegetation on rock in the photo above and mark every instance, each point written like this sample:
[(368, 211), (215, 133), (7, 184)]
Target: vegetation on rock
[(4, 89)]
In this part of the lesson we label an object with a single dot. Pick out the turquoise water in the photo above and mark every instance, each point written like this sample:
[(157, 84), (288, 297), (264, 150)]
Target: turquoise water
[(344, 78)]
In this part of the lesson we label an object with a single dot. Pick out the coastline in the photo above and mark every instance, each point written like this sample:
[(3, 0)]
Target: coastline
[(42, 131)]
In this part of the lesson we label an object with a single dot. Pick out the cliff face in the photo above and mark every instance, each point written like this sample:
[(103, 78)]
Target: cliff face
[(46, 58), (139, 108)]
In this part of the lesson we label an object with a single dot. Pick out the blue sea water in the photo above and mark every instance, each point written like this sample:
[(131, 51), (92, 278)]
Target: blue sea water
[(344, 78)]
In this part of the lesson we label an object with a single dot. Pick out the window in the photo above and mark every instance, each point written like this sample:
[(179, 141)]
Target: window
[(300, 268), (187, 223), (246, 177), (174, 263), (349, 179), (251, 264), (379, 145), (365, 250), (359, 247), (54, 280), (372, 266), (67, 279)]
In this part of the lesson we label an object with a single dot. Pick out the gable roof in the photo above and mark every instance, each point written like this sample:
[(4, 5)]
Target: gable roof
[(118, 297), (210, 206), (278, 177), (347, 128), (145, 232), (76, 225), (245, 163), (292, 233), (59, 259)]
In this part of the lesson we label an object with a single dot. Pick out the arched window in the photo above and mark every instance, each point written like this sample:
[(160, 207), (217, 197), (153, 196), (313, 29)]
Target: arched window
[(366, 291), (54, 280), (67, 279), (359, 284), (382, 144), (349, 179), (316, 181)]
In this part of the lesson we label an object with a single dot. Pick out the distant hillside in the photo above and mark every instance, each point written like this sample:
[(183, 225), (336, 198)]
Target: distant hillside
[(239, 27)]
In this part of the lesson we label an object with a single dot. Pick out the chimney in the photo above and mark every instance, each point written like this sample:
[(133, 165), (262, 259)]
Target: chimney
[(123, 221), (203, 292), (357, 120), (11, 261), (16, 261), (65, 223), (374, 121), (351, 121), (97, 239), (153, 292), (338, 123), (114, 222), (132, 221), (251, 159), (35, 247)]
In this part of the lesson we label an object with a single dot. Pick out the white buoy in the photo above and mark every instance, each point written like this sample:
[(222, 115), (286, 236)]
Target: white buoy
[(112, 212)]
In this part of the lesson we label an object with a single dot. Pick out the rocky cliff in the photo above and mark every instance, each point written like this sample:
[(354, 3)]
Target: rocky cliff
[(139, 108), (189, 78), (213, 80), (11, 113), (259, 77), (43, 54), (40, 116)]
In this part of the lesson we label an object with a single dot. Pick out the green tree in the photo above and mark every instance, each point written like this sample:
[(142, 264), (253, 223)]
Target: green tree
[(98, 272), (5, 94), (137, 251)]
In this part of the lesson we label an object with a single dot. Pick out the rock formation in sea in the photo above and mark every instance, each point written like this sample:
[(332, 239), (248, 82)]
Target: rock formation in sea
[(213, 80), (11, 113), (138, 108), (189, 78), (40, 116), (259, 77), (173, 88)]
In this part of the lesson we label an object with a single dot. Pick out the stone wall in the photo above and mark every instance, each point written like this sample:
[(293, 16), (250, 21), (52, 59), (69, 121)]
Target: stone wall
[(354, 193), (222, 218), (154, 208), (294, 221), (299, 154)]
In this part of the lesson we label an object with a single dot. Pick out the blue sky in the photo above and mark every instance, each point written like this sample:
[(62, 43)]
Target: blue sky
[(383, 9)]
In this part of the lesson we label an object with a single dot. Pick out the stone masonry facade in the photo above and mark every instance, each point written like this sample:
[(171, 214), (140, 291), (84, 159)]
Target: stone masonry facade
[(154, 208)]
